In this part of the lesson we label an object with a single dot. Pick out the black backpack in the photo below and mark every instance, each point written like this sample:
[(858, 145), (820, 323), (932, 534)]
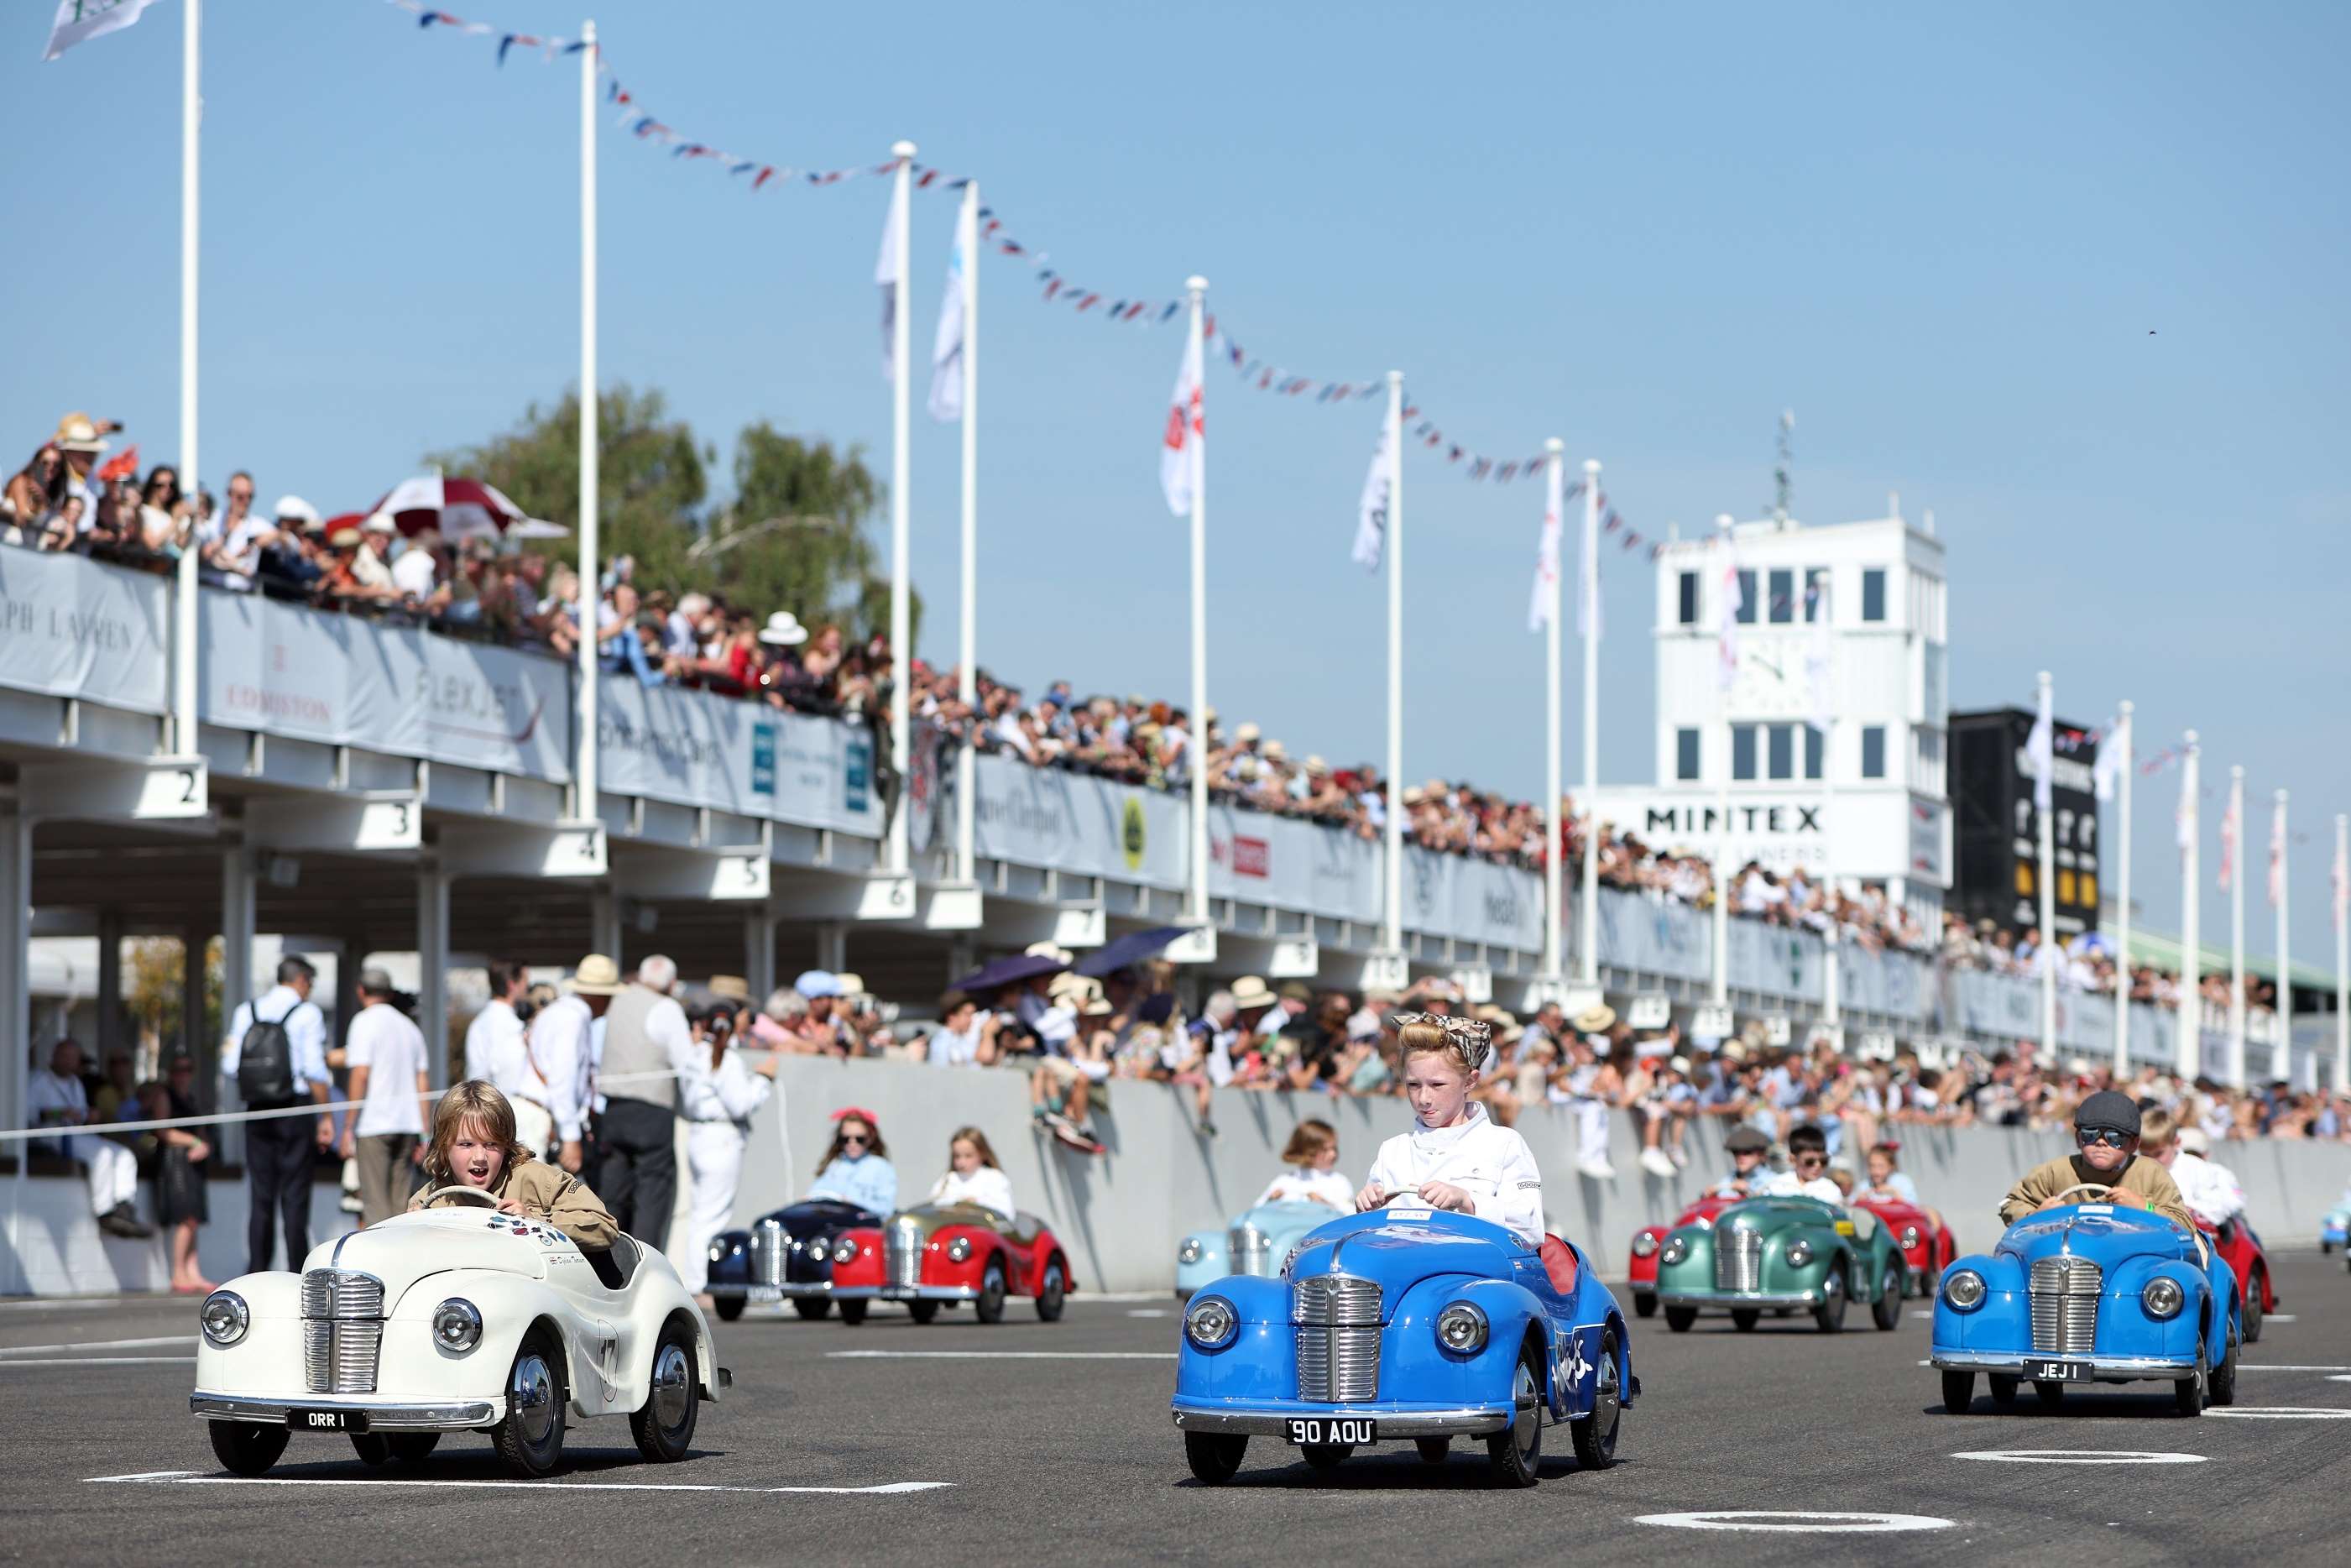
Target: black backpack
[(265, 1059)]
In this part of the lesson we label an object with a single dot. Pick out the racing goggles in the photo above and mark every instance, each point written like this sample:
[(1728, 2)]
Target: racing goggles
[(2113, 1137)]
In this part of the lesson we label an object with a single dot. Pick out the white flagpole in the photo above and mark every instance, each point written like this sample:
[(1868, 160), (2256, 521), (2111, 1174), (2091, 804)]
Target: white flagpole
[(2124, 738), (2191, 912), (1391, 901), (2048, 948), (968, 653), (1587, 939), (583, 772), (1197, 756), (2342, 963), (184, 587), (2282, 1011), (1722, 994), (1831, 955), (1554, 913), (2237, 930), (901, 588)]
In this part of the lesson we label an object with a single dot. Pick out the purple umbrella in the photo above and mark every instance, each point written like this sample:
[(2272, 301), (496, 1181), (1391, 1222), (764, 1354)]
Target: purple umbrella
[(1131, 949), (1004, 972)]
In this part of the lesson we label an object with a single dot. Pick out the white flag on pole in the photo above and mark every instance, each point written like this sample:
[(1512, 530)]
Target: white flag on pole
[(1729, 601), (1588, 623), (1371, 508), (2229, 837), (946, 348), (1184, 446), (80, 20), (1820, 656), (886, 273), (1546, 591), (2107, 773), (2041, 753), (2277, 854)]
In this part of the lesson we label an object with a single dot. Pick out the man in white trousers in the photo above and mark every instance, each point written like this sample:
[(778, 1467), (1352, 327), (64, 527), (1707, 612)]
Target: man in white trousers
[(717, 1094), (58, 1099)]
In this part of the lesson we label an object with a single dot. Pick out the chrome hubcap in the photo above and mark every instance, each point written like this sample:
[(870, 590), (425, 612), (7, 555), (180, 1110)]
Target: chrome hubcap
[(672, 1390), (532, 1395), (1525, 1430), (1606, 1407)]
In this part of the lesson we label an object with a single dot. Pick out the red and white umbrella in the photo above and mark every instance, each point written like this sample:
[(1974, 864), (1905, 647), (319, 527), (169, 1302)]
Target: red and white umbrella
[(461, 509)]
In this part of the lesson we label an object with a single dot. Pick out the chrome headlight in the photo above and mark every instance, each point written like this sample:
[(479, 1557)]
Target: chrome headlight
[(843, 1250), (1643, 1244), (1210, 1322), (1911, 1237), (960, 1249), (226, 1318), (1461, 1329), (717, 1252), (456, 1324), (2163, 1297), (1191, 1251), (1677, 1249), (1799, 1252), (1964, 1290)]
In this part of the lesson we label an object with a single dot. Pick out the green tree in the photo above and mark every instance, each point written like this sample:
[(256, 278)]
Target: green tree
[(794, 537), (152, 991)]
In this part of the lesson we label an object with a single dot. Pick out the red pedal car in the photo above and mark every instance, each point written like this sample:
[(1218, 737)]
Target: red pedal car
[(1642, 1273), (940, 1254), (2256, 1297), (1926, 1248)]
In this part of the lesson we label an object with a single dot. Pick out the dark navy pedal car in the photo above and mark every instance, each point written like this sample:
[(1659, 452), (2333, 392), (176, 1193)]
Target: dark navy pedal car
[(1405, 1325), (2089, 1293), (786, 1256)]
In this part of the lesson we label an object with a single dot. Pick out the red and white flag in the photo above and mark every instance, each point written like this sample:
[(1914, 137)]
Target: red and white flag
[(2229, 837), (1183, 448), (2277, 853), (1546, 593)]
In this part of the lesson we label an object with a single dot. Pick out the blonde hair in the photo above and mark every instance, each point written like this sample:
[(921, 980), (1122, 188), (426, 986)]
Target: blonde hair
[(979, 1143), (2156, 1131), (1307, 1141), (1458, 1041), (472, 1101)]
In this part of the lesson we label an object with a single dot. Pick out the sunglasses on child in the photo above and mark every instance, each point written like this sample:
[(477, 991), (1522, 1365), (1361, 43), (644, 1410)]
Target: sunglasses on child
[(1812, 1159), (860, 1139), (2109, 1136)]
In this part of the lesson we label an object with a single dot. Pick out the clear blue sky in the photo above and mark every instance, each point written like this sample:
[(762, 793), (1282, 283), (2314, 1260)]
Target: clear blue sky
[(1941, 234)]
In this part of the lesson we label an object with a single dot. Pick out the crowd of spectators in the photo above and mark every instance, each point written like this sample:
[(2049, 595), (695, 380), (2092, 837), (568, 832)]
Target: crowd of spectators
[(2087, 964)]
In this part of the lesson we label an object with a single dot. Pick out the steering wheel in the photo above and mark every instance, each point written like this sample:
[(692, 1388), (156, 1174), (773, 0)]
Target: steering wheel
[(2097, 1189), (483, 1193)]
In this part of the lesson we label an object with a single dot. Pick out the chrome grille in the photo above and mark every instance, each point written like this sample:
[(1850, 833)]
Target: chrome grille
[(768, 1245), (902, 1253), (1338, 1322), (1738, 1260), (2064, 1292), (1248, 1247), (342, 1329)]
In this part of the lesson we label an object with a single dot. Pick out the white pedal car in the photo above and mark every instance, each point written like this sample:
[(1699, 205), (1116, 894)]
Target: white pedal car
[(452, 1320)]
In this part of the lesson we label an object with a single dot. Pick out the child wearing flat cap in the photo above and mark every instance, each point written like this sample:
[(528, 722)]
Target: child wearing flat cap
[(2105, 1138)]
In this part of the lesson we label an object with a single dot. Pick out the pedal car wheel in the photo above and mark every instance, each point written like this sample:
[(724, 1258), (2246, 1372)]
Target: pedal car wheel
[(1886, 1310), (413, 1447), (663, 1426), (2003, 1389), (247, 1450), (371, 1447), (921, 1312), (812, 1307), (1322, 1456), (1512, 1452), (1595, 1436), (989, 1305), (2188, 1393), (1958, 1392), (1679, 1318), (853, 1310), (728, 1308), (1434, 1450), (2253, 1308), (1214, 1457), (530, 1436), (2051, 1395), (1645, 1306), (1829, 1316), (1052, 1294), (1744, 1319), (2222, 1388)]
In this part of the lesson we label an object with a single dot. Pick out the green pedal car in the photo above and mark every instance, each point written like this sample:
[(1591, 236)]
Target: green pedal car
[(1781, 1255)]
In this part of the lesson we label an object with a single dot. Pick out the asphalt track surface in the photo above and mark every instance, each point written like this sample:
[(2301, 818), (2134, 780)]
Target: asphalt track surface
[(1054, 1444)]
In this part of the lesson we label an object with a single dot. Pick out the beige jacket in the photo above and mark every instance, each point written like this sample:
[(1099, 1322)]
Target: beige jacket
[(2145, 1177), (545, 1193)]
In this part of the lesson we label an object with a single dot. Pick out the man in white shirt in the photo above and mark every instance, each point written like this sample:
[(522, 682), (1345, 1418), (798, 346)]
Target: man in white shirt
[(494, 1048), (58, 1098), (2211, 1190), (279, 1150), (414, 572), (390, 1081), (560, 1058)]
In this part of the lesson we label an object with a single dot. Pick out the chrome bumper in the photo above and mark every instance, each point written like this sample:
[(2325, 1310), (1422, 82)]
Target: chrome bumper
[(1467, 1422), (789, 1291), (1728, 1299), (908, 1292), (2103, 1369), (459, 1416)]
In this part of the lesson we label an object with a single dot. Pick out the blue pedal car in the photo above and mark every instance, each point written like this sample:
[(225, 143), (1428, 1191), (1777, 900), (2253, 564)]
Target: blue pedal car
[(2335, 1230), (1254, 1243), (1407, 1324), (2089, 1293)]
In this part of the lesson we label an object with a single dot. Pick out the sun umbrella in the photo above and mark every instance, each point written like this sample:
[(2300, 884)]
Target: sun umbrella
[(1003, 972), (1131, 949), (461, 509)]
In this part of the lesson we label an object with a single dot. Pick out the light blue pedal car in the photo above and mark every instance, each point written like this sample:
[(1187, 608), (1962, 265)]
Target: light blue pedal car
[(2335, 1230), (1256, 1242)]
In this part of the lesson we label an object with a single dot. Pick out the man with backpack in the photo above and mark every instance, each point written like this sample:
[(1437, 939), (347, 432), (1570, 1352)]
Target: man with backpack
[(276, 1055)]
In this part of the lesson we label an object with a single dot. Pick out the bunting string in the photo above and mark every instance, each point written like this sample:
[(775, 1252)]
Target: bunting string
[(1054, 288)]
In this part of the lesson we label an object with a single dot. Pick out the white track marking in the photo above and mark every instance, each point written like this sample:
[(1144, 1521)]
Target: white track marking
[(1794, 1521), (100, 1361), (63, 1303), (2083, 1457), (2285, 1367), (999, 1355), (99, 1344), (191, 1478), (2279, 1413), (1149, 1312), (2279, 1318)]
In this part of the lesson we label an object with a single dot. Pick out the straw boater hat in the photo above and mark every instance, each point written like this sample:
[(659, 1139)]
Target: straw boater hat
[(1251, 991), (730, 987), (596, 976), (1597, 1019), (79, 433)]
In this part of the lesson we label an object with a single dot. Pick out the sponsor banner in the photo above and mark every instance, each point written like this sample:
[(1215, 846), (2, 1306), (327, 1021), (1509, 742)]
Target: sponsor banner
[(2006, 1008), (341, 680), (74, 627), (1472, 900), (1048, 816), (694, 748), (1293, 864)]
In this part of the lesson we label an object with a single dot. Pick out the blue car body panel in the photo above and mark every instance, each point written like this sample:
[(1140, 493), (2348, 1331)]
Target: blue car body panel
[(1422, 1263), (2335, 1230), (1281, 1225), (2131, 1248)]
